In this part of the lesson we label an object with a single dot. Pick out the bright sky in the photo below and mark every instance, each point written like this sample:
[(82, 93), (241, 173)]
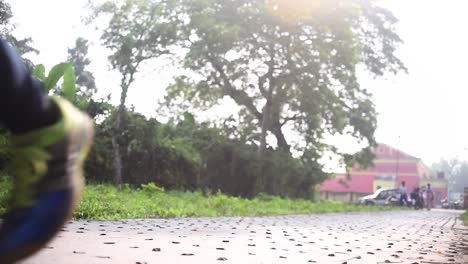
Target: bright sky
[(422, 113)]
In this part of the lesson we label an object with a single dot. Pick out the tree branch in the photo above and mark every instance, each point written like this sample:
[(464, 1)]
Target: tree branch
[(290, 118), (239, 96)]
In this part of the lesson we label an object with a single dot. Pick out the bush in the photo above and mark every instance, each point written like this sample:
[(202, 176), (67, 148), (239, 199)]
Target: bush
[(151, 188), (184, 155), (5, 187)]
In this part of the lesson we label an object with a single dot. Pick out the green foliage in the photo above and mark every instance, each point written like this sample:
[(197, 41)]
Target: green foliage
[(23, 46), (62, 70), (152, 188), (287, 71), (40, 72), (86, 84), (4, 146), (5, 187), (236, 169), (106, 202), (78, 57), (69, 84), (464, 218), (151, 154), (296, 73), (137, 31), (5, 15), (187, 155)]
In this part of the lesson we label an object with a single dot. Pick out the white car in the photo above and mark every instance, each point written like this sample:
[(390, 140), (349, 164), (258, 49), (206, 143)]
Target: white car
[(387, 196)]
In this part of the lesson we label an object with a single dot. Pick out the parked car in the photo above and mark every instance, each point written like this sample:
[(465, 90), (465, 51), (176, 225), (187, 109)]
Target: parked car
[(386, 196)]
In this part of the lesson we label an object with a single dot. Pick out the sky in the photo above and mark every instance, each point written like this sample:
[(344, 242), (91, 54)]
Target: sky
[(423, 113)]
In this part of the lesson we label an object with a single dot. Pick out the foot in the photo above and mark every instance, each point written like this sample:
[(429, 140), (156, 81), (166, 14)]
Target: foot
[(47, 182)]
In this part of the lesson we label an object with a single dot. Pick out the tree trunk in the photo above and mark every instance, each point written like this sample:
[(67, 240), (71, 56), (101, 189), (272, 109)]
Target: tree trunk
[(268, 105), (281, 140), (115, 133), (265, 124), (266, 116), (117, 160)]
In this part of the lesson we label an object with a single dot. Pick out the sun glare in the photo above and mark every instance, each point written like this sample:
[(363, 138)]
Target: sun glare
[(292, 11)]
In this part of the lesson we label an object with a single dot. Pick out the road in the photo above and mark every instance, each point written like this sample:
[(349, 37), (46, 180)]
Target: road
[(435, 236)]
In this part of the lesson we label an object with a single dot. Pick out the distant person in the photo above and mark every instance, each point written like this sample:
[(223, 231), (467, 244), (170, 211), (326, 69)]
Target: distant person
[(50, 140), (416, 198), (403, 194), (429, 195)]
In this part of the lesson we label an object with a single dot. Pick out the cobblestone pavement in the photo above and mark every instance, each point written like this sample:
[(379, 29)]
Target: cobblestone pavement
[(381, 237)]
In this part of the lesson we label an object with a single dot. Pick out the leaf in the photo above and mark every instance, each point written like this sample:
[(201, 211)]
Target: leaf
[(69, 83), (189, 118), (54, 75), (39, 72)]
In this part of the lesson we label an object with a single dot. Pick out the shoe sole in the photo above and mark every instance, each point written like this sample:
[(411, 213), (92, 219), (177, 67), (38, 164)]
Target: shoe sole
[(78, 181)]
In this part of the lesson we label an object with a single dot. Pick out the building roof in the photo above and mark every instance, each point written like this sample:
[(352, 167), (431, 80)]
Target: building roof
[(384, 151), (356, 184)]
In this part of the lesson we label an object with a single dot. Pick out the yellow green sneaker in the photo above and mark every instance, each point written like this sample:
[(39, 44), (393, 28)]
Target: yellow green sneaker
[(47, 182)]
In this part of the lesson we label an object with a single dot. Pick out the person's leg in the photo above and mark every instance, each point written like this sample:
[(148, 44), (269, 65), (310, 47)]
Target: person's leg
[(50, 140), (405, 200)]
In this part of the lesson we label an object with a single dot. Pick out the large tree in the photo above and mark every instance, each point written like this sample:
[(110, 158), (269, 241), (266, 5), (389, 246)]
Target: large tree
[(290, 66), (454, 170), (137, 31)]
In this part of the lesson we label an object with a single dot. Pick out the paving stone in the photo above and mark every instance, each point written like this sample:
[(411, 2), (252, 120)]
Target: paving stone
[(435, 236)]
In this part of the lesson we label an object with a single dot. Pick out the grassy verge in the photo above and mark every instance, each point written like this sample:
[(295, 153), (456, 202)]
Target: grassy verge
[(102, 201), (105, 202), (464, 218)]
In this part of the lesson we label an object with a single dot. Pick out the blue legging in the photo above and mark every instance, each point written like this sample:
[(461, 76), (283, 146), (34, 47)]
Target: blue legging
[(403, 199), (23, 104)]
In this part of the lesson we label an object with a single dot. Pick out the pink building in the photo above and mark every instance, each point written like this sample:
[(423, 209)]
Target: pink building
[(391, 167)]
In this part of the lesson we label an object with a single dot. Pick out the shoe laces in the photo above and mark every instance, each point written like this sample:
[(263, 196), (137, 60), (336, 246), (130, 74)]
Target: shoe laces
[(29, 167)]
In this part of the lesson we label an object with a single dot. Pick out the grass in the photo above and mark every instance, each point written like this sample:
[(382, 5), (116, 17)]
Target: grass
[(464, 218), (102, 201)]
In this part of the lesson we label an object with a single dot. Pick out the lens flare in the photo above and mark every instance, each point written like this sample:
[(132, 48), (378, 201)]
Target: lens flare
[(293, 11)]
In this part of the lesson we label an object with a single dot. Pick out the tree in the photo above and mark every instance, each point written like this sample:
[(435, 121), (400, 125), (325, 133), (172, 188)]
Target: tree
[(86, 83), (455, 171), (137, 31), (78, 56), (23, 46), (290, 66), (5, 16)]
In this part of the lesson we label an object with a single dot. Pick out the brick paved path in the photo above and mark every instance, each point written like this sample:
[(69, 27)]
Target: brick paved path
[(382, 237)]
